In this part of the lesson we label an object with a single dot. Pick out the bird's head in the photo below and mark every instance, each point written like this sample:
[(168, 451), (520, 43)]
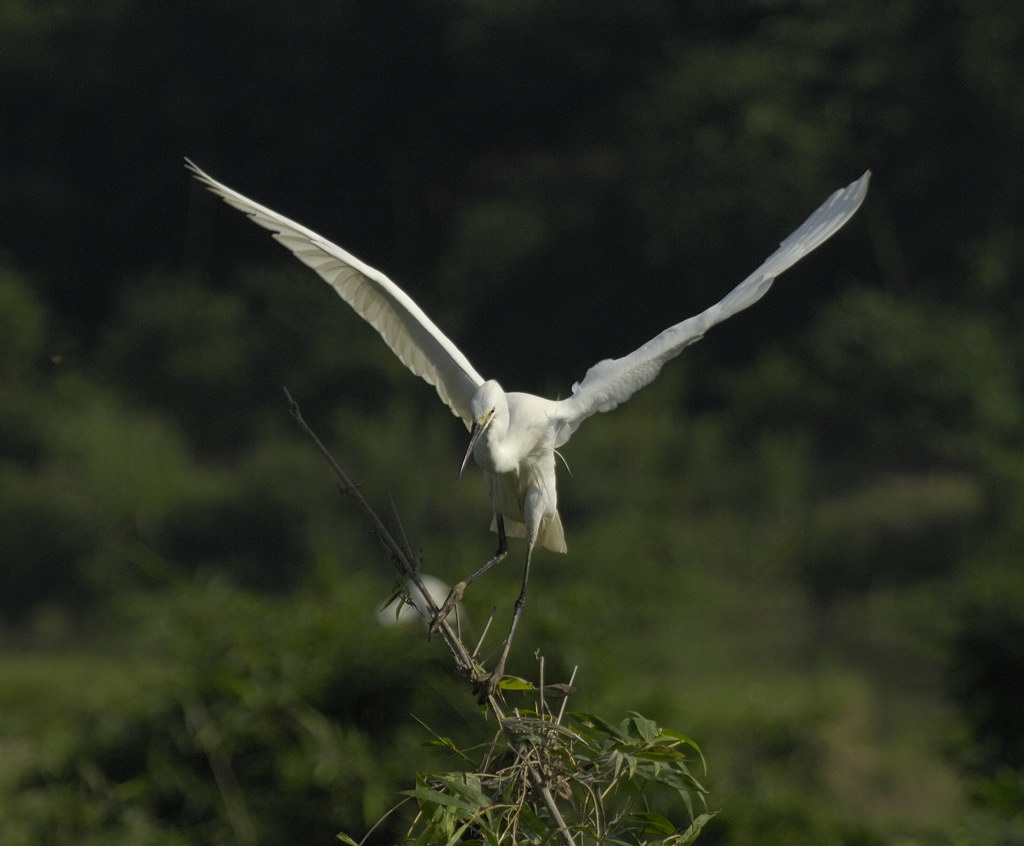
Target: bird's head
[(488, 401)]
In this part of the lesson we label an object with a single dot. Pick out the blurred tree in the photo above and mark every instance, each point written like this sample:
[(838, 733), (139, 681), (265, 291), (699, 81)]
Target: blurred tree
[(642, 136), (986, 674), (254, 719), (577, 174)]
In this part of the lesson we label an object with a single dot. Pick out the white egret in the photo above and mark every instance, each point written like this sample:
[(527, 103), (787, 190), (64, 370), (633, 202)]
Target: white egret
[(413, 602), (514, 435)]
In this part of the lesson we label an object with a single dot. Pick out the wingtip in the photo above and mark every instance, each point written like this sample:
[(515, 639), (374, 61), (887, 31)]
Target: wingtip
[(854, 193), (861, 185), (199, 173)]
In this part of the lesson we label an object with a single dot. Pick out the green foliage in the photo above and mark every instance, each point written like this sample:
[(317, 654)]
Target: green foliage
[(22, 326), (616, 783), (240, 718), (943, 378), (923, 384), (762, 544), (986, 673), (249, 719), (183, 348)]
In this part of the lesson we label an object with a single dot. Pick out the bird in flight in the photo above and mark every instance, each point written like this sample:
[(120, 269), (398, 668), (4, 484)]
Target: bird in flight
[(513, 436)]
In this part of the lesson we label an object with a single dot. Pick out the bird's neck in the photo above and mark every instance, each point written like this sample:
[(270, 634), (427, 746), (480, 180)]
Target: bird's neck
[(494, 453)]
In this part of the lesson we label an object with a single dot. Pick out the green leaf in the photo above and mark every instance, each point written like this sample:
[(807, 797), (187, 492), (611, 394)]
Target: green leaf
[(515, 683), (694, 828), (647, 729), (466, 785), (436, 797), (653, 823), (682, 738), (661, 753), (592, 721), (444, 742)]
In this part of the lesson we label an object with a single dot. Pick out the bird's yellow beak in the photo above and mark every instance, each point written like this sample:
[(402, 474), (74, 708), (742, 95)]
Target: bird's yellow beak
[(474, 435)]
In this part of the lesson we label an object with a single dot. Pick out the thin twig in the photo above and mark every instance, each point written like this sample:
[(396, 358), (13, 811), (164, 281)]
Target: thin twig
[(565, 699), (416, 559), (541, 704), (210, 741), (405, 563), (483, 634)]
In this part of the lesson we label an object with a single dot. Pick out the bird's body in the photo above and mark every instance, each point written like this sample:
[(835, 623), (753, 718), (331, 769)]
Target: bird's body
[(517, 454), (515, 435)]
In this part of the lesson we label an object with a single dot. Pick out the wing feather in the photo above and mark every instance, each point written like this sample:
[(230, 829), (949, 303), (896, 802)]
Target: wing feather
[(613, 381), (410, 334)]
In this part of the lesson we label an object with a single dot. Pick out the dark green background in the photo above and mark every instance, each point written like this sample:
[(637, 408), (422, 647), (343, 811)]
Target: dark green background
[(801, 546)]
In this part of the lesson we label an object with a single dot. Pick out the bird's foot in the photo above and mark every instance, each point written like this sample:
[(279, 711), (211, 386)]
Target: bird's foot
[(487, 686), (454, 598)]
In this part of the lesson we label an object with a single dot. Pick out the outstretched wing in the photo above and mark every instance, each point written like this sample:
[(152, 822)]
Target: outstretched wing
[(613, 381), (410, 334)]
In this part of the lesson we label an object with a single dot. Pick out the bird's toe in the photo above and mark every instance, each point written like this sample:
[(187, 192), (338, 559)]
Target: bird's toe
[(454, 598), (487, 687)]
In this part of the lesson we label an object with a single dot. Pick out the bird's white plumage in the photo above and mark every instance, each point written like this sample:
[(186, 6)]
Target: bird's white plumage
[(413, 603), (410, 334), (613, 381), (514, 435), (516, 450)]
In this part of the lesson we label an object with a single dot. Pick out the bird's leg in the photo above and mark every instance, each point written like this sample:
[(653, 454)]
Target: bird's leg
[(455, 596), (488, 686)]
